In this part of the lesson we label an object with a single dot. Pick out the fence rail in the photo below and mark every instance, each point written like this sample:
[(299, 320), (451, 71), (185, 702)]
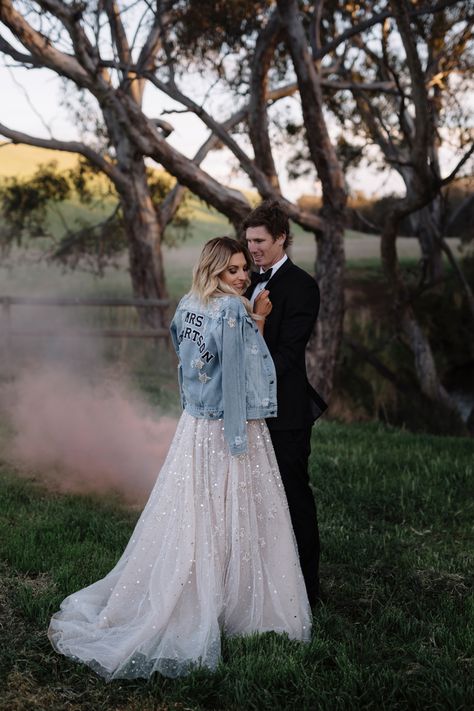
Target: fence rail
[(7, 302), (79, 301)]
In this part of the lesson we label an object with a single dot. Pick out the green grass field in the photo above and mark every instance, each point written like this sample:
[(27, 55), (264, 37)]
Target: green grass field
[(396, 630)]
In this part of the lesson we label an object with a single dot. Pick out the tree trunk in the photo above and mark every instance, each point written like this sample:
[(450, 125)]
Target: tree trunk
[(425, 366), (142, 224), (324, 346), (144, 233), (426, 226), (429, 232), (405, 319)]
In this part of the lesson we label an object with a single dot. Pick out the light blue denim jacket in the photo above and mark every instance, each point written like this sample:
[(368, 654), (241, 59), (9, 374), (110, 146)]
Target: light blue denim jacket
[(225, 369)]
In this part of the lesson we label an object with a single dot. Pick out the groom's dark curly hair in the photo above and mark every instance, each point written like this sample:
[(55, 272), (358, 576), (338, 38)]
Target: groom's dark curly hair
[(272, 215)]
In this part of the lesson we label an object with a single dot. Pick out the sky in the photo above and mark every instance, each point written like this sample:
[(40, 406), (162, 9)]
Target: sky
[(31, 102)]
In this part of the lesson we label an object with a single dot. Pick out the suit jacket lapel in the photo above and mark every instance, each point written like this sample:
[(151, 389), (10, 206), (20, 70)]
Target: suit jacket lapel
[(271, 282), (280, 272), (249, 292)]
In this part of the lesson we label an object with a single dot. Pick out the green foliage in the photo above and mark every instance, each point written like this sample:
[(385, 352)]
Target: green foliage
[(24, 203), (394, 633), (93, 236), (207, 26), (443, 313)]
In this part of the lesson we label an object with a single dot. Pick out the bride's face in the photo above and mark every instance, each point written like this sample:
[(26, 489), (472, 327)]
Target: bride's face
[(236, 274)]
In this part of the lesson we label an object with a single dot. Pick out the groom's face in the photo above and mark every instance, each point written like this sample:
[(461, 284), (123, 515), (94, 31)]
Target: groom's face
[(265, 250)]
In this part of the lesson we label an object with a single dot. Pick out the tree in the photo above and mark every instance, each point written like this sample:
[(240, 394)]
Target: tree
[(34, 207), (68, 39), (404, 119), (261, 51), (443, 41), (406, 129)]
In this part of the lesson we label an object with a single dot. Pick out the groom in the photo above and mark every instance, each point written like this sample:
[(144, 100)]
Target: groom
[(295, 300)]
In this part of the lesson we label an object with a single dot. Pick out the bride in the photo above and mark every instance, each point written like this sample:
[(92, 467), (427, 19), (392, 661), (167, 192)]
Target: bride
[(213, 550)]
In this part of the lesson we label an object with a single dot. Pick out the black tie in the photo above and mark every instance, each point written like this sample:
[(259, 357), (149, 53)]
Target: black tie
[(264, 276)]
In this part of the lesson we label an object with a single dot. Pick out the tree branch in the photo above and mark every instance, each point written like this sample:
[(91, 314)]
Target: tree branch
[(376, 19), (7, 48), (458, 167), (70, 16), (153, 41), (40, 47), (320, 147), (461, 276), (117, 30), (69, 147), (380, 367), (120, 40), (257, 176), (377, 86), (423, 120), (257, 106)]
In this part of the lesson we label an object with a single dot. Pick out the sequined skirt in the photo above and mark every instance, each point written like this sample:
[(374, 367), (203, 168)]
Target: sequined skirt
[(212, 552)]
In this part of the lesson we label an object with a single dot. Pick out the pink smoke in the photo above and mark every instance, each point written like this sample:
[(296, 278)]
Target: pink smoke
[(85, 437)]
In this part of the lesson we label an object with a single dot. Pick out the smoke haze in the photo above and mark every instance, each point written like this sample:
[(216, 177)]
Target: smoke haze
[(76, 425)]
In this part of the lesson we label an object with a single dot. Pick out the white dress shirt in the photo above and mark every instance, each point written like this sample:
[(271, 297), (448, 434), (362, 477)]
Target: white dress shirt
[(263, 284)]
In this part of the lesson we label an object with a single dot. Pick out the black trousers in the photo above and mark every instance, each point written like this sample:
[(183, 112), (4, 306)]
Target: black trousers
[(292, 449)]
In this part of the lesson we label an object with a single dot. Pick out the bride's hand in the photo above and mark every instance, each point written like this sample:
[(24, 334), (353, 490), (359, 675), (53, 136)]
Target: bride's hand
[(262, 305)]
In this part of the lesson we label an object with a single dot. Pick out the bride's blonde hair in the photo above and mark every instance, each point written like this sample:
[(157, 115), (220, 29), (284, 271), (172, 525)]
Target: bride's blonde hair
[(213, 262)]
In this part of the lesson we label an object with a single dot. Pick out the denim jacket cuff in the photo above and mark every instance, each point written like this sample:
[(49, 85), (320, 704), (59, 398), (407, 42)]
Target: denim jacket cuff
[(238, 445)]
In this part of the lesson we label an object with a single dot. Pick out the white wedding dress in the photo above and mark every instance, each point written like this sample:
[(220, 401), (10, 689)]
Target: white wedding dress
[(212, 552)]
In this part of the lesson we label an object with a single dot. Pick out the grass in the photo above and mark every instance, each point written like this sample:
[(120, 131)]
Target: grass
[(396, 526), (396, 629)]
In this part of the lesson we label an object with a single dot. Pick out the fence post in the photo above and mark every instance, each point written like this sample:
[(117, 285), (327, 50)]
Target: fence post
[(6, 326)]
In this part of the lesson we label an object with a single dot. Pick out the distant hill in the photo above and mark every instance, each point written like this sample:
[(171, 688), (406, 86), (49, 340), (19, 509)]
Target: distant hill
[(22, 161)]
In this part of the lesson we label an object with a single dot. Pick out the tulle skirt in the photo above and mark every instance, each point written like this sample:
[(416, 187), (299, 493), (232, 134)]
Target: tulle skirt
[(212, 552)]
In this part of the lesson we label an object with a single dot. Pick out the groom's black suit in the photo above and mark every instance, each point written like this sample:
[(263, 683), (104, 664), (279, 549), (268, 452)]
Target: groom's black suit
[(295, 305)]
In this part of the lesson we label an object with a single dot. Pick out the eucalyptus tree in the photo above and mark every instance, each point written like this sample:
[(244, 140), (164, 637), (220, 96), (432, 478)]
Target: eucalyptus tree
[(101, 51), (429, 58), (419, 57), (443, 41), (111, 51), (259, 52)]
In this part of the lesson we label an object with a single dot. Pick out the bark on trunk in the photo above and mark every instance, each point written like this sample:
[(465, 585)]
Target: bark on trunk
[(142, 224), (144, 234), (427, 227), (429, 232), (406, 322), (425, 366), (324, 346)]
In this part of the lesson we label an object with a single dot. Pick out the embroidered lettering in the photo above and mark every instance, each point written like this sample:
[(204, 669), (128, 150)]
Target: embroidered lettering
[(193, 335), (194, 319)]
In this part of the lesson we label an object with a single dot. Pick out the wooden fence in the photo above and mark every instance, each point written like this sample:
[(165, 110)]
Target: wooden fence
[(8, 302)]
